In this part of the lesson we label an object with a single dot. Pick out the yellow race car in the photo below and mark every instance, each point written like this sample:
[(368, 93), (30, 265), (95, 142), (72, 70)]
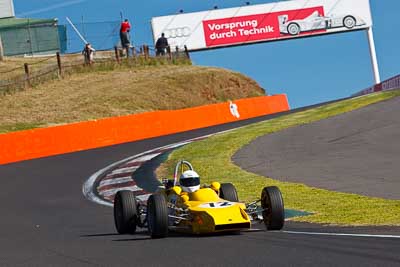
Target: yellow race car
[(182, 205)]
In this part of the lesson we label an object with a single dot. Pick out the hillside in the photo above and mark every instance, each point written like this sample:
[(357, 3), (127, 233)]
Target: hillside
[(94, 95)]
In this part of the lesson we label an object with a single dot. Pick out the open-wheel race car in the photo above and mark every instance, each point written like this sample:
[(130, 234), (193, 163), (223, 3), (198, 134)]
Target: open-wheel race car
[(182, 205)]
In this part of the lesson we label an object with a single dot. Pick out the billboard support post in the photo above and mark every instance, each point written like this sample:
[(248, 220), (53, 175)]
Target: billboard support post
[(374, 59)]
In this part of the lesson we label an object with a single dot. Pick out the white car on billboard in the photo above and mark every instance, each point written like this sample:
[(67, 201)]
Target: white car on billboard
[(316, 21)]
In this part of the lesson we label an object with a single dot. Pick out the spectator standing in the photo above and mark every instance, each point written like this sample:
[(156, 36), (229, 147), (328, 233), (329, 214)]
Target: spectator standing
[(161, 45), (124, 35), (88, 53)]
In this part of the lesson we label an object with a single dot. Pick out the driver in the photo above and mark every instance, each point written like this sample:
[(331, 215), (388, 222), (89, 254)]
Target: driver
[(189, 181)]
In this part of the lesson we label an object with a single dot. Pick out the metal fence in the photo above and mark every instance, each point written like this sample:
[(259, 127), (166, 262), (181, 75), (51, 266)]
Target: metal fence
[(102, 35)]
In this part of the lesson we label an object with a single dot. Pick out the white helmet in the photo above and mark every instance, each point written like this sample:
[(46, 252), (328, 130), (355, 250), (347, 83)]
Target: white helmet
[(189, 181)]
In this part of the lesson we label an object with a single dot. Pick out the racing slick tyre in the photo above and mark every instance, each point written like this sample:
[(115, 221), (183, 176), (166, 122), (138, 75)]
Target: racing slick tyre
[(125, 212), (273, 209), (293, 29), (349, 22), (228, 192), (157, 216)]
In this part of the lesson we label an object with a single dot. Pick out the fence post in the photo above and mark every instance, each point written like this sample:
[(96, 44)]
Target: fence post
[(187, 52), (1, 50), (116, 54), (59, 64), (169, 53), (27, 76), (133, 52), (145, 51)]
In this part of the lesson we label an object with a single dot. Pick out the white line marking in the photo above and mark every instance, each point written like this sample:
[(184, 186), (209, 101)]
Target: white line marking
[(148, 157), (124, 170), (178, 144), (88, 190), (113, 191), (341, 234), (116, 181), (111, 177)]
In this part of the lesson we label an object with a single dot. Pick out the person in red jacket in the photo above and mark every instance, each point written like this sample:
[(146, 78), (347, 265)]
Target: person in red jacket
[(124, 35)]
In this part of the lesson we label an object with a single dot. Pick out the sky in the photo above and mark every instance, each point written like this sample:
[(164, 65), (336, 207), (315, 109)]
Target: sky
[(308, 70)]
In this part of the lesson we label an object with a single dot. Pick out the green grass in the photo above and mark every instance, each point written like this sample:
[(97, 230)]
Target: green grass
[(139, 62), (18, 127), (212, 159)]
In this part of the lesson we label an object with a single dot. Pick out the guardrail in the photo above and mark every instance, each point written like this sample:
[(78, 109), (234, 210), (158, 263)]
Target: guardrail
[(41, 142), (387, 85)]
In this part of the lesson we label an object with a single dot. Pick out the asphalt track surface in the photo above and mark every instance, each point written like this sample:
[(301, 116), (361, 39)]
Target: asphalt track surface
[(46, 221), (356, 152)]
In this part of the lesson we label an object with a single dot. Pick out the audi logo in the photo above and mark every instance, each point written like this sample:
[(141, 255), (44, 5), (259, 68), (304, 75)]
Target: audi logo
[(177, 32)]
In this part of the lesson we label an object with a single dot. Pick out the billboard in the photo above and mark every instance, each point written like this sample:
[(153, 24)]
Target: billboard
[(6, 9), (261, 23)]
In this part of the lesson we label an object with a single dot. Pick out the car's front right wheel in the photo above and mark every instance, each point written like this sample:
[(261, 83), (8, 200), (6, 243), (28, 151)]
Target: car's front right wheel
[(273, 208)]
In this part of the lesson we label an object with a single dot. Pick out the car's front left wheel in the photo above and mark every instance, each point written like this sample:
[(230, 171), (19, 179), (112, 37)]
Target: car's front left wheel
[(157, 216)]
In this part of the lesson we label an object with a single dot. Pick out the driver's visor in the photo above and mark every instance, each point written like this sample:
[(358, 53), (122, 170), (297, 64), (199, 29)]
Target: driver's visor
[(187, 182)]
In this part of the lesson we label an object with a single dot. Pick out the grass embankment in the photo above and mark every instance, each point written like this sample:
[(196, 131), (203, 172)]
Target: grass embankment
[(121, 90), (212, 159)]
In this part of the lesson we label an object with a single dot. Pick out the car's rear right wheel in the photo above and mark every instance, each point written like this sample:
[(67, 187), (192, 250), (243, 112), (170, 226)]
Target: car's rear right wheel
[(157, 216), (273, 208)]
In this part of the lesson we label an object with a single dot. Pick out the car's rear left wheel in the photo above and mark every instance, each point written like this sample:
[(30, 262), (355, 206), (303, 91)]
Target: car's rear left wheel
[(273, 208), (228, 192), (125, 212)]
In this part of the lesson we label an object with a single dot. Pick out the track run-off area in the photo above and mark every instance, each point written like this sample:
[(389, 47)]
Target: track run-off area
[(47, 221)]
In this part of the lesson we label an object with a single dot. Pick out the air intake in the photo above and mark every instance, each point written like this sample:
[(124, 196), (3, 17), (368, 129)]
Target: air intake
[(233, 226)]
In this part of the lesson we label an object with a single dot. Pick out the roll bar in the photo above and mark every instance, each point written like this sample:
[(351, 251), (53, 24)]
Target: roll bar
[(180, 165)]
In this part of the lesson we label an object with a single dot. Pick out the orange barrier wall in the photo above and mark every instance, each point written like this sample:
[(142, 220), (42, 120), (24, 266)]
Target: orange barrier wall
[(36, 143)]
